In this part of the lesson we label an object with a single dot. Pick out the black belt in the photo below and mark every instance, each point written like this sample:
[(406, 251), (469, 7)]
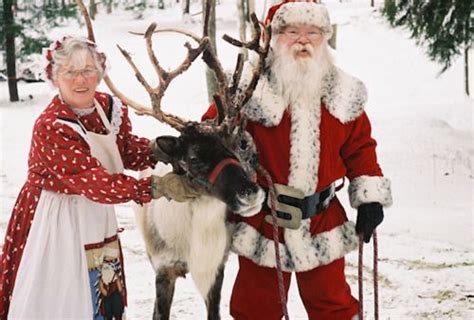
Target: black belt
[(309, 206)]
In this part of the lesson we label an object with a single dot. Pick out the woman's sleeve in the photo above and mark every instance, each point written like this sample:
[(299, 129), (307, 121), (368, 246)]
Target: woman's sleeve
[(136, 151), (67, 157)]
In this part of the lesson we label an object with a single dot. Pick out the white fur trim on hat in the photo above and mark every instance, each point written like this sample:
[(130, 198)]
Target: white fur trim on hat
[(309, 13), (366, 189)]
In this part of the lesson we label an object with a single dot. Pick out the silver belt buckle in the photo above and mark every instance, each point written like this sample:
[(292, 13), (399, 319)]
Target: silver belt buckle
[(295, 212)]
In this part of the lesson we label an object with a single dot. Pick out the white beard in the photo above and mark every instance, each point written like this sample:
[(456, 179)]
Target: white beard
[(299, 80)]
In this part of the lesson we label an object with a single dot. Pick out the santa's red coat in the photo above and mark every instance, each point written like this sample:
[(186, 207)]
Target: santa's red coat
[(311, 154)]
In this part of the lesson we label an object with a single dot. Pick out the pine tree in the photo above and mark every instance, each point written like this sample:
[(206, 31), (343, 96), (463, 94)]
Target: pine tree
[(444, 27), (28, 28), (36, 20)]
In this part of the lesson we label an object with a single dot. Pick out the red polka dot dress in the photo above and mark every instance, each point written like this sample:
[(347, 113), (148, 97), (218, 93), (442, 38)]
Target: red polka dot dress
[(63, 219)]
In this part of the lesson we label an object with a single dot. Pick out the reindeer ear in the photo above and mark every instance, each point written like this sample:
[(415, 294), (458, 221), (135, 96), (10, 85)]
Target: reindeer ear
[(167, 149)]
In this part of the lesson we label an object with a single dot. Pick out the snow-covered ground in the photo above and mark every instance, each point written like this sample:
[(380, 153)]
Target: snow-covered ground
[(423, 124)]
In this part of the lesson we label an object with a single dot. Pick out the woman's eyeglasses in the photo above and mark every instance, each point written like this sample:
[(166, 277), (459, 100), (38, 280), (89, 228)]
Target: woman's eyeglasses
[(86, 73)]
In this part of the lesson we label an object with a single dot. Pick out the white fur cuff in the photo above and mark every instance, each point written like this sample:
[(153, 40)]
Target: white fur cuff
[(301, 251), (365, 189)]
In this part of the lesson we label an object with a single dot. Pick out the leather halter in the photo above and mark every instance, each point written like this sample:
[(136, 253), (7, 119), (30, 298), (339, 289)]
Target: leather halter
[(220, 166)]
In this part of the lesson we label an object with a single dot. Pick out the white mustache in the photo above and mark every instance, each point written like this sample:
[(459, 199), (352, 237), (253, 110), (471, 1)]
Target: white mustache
[(298, 47)]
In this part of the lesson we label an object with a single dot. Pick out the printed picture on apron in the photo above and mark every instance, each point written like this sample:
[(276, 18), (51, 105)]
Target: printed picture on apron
[(106, 279)]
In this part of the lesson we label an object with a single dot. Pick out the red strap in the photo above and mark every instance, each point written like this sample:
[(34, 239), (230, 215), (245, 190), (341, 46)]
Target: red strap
[(220, 166)]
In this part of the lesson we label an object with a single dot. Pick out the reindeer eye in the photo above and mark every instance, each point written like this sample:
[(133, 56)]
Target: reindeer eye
[(243, 144), (182, 164), (193, 159)]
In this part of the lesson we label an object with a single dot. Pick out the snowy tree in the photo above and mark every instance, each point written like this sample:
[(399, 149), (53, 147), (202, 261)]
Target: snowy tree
[(8, 39), (186, 7), (92, 9), (211, 33), (245, 8), (444, 26), (25, 24)]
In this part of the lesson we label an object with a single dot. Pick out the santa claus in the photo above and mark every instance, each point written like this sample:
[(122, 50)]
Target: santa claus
[(308, 121)]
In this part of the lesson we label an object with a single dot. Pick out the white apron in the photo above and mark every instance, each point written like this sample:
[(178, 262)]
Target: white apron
[(71, 266)]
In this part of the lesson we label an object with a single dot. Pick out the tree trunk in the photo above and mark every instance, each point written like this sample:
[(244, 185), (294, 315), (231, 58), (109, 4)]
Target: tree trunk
[(372, 3), (466, 69), (387, 4), (161, 4), (333, 41), (264, 12), (186, 6), (210, 76), (109, 6), (92, 9), (10, 49), (251, 8), (243, 18)]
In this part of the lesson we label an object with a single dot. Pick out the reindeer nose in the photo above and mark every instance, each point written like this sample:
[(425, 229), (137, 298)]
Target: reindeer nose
[(244, 193), (248, 190)]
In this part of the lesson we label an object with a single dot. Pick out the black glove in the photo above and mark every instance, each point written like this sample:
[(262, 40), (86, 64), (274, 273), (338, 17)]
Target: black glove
[(369, 216)]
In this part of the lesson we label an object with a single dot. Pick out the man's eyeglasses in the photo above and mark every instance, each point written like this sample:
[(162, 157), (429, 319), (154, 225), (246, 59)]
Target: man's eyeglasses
[(294, 34), (86, 73)]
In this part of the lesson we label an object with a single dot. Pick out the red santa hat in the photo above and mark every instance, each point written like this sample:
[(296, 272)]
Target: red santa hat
[(290, 12)]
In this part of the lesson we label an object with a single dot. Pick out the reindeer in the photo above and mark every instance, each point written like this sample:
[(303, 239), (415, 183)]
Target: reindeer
[(218, 156)]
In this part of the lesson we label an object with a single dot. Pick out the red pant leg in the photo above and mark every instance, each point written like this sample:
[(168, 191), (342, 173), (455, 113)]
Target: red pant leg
[(326, 294), (255, 294)]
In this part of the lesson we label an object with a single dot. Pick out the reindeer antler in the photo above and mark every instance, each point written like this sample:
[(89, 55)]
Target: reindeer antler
[(165, 77), (241, 98), (156, 94), (229, 99)]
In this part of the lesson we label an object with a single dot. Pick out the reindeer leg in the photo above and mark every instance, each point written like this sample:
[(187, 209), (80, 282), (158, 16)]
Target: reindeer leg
[(214, 296), (164, 283)]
